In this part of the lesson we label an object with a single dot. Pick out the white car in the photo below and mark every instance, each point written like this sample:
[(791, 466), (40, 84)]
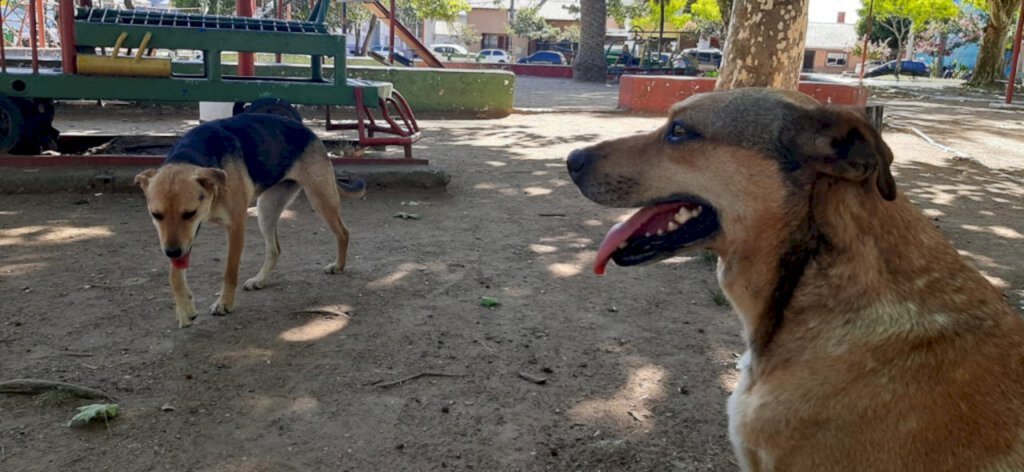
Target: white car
[(494, 56), (448, 49)]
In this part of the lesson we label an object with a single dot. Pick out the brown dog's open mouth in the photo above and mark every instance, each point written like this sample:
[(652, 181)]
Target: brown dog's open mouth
[(656, 232)]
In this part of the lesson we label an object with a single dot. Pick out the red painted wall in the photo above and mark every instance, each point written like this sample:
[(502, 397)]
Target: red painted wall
[(656, 94)]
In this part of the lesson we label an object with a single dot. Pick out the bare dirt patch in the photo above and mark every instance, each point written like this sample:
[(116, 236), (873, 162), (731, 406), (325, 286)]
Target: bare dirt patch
[(638, 363)]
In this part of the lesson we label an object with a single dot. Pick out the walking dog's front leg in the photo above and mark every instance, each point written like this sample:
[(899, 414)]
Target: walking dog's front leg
[(236, 240), (184, 304)]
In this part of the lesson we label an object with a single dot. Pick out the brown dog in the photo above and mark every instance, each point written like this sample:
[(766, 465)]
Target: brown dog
[(873, 346), (214, 172)]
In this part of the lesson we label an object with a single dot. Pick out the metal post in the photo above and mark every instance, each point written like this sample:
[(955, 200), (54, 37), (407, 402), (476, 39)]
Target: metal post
[(68, 51), (1016, 55), (661, 29), (41, 14), (246, 64), (32, 38), (390, 54), (277, 15), (864, 48), (3, 44)]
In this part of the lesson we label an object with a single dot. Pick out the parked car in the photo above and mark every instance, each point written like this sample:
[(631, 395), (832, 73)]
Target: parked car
[(382, 53), (867, 66), (494, 56), (707, 59), (911, 68), (543, 57), (448, 50)]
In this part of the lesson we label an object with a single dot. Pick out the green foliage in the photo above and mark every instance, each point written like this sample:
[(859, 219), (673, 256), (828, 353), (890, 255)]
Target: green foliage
[(876, 51), (444, 10), (571, 34), (489, 302), (464, 34), (529, 24), (895, 19), (96, 411)]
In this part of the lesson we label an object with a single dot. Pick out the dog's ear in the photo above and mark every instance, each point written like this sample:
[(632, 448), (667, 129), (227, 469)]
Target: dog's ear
[(142, 180), (841, 143), (211, 179)]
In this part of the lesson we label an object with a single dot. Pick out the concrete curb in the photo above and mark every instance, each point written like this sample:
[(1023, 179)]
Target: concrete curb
[(120, 179)]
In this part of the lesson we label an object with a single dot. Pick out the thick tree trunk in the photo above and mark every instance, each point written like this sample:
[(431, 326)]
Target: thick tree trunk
[(765, 45), (590, 64), (989, 67)]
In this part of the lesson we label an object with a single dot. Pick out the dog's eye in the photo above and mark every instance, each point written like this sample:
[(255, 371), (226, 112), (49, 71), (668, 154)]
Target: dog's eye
[(679, 133), (158, 216), (188, 215)]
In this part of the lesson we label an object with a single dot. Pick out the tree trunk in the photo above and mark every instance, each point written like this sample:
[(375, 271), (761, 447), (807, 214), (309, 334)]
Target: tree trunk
[(590, 64), (993, 42), (765, 45)]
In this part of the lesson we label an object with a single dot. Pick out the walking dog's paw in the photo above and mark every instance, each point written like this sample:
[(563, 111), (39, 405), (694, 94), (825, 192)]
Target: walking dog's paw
[(333, 268), (220, 308), (185, 315), (254, 283)]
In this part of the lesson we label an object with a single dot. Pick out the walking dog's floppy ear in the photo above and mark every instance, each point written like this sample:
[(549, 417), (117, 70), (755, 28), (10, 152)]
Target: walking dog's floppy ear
[(142, 180), (211, 179), (843, 144)]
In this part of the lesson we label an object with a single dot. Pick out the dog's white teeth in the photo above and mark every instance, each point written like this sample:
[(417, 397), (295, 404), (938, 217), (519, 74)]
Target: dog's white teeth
[(647, 235), (696, 211), (672, 226), (622, 245), (661, 232), (680, 217)]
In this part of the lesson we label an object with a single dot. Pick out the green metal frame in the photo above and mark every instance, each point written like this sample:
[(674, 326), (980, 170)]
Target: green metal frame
[(237, 35)]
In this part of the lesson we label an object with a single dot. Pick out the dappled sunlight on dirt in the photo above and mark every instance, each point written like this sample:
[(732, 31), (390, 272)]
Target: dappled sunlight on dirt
[(629, 408), (51, 234), (324, 323)]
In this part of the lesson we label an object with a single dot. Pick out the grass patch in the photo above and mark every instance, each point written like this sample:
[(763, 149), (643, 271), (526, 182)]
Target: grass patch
[(55, 399)]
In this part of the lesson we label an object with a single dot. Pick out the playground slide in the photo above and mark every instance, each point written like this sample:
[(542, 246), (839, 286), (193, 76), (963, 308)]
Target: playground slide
[(417, 47)]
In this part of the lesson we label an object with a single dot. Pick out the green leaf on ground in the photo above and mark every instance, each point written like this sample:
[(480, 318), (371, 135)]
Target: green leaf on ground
[(489, 302), (96, 411)]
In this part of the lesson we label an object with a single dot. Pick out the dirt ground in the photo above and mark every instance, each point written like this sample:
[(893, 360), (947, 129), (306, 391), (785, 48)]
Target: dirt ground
[(638, 363)]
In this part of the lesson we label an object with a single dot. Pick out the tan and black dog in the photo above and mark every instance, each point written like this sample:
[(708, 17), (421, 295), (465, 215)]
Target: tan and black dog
[(213, 173), (873, 346)]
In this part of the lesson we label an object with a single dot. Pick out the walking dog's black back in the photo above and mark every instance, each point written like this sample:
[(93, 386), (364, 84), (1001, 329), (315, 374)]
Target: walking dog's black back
[(268, 144)]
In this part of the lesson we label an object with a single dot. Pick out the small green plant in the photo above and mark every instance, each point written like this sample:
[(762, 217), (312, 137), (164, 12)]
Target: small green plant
[(709, 258), (489, 302), (96, 411)]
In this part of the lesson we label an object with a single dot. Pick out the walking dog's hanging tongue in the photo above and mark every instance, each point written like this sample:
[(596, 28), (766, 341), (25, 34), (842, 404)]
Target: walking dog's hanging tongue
[(181, 263)]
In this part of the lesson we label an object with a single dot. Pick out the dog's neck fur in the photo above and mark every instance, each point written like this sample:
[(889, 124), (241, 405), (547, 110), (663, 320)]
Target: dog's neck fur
[(841, 241)]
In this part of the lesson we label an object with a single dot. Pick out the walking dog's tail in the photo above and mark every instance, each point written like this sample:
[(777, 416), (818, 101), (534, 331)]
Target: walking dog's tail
[(351, 187)]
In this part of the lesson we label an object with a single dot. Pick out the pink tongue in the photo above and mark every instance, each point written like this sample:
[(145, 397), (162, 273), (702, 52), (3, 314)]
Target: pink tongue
[(623, 231), (181, 262)]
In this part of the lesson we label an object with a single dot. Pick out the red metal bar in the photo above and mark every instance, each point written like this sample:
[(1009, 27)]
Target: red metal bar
[(41, 13), (391, 40), (3, 44), (864, 48), (143, 160), (68, 52), (32, 39), (1015, 55), (246, 63)]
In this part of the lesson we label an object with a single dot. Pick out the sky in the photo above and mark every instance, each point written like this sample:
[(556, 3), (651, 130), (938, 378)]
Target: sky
[(824, 11)]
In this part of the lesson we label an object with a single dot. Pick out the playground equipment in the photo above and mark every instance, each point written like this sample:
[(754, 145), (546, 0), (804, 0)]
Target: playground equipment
[(642, 54), (27, 94)]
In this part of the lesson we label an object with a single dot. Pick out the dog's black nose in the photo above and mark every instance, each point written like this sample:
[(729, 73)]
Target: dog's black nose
[(173, 253), (577, 162)]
